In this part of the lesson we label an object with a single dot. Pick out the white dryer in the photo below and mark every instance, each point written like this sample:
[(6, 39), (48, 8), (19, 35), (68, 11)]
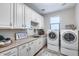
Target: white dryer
[(53, 40), (69, 42)]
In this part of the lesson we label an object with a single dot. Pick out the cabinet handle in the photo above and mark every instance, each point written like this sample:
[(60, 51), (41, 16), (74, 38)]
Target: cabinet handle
[(29, 48), (39, 42), (9, 53), (32, 43), (22, 25), (10, 24), (23, 46)]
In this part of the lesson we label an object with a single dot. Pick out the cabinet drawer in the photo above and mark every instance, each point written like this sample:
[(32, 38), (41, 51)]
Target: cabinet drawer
[(11, 52), (22, 46), (31, 43)]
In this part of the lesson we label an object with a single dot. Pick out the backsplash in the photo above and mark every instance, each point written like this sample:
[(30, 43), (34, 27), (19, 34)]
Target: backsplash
[(30, 32), (10, 32)]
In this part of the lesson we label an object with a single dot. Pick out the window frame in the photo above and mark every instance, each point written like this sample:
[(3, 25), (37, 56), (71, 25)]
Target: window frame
[(55, 23)]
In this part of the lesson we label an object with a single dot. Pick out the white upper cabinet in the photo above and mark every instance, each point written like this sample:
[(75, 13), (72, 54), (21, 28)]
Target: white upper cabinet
[(19, 16), (35, 16), (77, 15), (6, 15), (42, 22), (27, 17), (38, 19)]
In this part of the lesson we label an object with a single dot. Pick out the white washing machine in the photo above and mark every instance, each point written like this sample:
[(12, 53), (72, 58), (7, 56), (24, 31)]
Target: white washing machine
[(53, 40), (69, 42)]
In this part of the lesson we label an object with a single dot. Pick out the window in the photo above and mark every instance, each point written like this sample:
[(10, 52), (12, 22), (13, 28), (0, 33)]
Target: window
[(54, 23)]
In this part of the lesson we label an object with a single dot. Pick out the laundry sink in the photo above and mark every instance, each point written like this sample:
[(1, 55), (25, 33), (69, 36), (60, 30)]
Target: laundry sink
[(35, 36)]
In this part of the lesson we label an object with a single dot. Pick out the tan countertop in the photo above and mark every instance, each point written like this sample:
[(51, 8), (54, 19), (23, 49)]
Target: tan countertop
[(17, 43)]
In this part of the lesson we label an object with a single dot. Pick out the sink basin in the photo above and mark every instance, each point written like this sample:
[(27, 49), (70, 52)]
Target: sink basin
[(35, 36)]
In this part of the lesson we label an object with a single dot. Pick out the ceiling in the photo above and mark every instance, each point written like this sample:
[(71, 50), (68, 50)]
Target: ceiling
[(45, 8)]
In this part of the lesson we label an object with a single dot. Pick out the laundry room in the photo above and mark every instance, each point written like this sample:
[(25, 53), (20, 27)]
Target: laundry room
[(63, 25), (39, 29)]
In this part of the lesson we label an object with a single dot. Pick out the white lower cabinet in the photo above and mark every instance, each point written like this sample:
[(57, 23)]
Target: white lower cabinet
[(43, 41), (36, 45), (39, 44), (11, 52), (31, 48), (28, 49), (23, 50)]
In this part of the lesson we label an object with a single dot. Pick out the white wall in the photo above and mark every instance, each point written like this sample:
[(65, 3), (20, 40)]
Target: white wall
[(67, 16), (77, 15)]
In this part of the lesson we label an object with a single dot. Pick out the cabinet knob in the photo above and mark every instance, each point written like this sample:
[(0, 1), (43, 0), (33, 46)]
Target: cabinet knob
[(29, 48), (25, 25), (39, 42), (23, 47), (31, 42), (22, 25), (10, 24)]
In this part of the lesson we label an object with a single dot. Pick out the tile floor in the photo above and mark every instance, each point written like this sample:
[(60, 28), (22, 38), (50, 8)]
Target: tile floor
[(47, 52)]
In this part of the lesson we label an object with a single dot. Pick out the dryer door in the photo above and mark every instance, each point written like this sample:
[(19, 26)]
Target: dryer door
[(69, 37), (52, 35)]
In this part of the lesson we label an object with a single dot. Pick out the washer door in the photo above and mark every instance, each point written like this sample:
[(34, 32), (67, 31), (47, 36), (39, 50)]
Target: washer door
[(69, 37), (52, 35)]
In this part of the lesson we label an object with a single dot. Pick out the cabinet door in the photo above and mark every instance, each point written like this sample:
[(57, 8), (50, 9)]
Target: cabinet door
[(19, 16), (41, 22), (37, 46), (12, 52), (33, 16), (40, 44), (27, 17), (43, 41), (23, 50), (5, 15), (31, 48)]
